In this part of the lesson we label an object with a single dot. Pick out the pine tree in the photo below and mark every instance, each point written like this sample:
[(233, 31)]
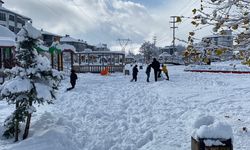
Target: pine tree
[(33, 81)]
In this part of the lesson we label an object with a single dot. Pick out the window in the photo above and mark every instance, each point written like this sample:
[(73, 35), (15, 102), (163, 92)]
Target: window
[(18, 29), (12, 28), (19, 20), (2, 16), (12, 18)]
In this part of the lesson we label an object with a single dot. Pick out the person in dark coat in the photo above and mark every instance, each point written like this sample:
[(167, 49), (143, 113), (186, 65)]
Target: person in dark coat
[(156, 66), (135, 72), (73, 78), (148, 70)]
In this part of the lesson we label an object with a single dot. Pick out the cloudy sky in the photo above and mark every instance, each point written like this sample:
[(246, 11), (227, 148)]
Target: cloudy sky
[(105, 21)]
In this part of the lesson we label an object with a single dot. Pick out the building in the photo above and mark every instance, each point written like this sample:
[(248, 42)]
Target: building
[(219, 40), (169, 49), (7, 48), (80, 45), (101, 47), (12, 20), (48, 38)]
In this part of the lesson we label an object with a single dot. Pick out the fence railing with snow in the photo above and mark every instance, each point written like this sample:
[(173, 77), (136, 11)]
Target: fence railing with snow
[(218, 69), (211, 135)]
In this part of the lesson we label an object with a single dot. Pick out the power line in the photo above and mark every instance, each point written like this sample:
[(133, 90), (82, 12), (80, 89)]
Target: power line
[(123, 43), (174, 28)]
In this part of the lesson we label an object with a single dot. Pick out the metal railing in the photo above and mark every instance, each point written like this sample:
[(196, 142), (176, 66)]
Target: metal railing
[(97, 68)]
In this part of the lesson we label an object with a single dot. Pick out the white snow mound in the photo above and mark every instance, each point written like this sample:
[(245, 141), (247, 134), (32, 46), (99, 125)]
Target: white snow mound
[(207, 128)]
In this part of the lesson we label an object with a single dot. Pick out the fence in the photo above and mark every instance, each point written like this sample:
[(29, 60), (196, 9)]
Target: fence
[(97, 68)]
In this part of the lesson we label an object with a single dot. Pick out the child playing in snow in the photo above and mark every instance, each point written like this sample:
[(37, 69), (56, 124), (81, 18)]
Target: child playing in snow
[(73, 78), (135, 72), (165, 70), (148, 70)]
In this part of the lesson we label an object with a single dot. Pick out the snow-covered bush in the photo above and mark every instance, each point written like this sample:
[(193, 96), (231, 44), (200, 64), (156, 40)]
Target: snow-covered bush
[(32, 81)]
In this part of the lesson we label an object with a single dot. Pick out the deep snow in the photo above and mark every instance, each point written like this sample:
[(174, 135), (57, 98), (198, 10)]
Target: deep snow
[(111, 113)]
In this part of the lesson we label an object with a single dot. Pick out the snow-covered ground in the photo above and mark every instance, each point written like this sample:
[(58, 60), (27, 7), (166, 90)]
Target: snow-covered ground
[(112, 113)]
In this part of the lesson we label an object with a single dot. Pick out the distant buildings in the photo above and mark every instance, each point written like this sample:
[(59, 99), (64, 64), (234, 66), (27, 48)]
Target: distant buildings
[(49, 38), (101, 47), (225, 39), (168, 49), (80, 45), (12, 20)]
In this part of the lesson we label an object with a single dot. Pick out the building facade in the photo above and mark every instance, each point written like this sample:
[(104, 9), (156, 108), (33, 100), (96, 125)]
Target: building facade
[(222, 40), (169, 49), (48, 38), (79, 45), (101, 47), (12, 20)]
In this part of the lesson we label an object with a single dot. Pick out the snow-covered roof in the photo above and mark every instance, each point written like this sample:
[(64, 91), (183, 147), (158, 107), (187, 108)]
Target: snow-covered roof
[(64, 47), (130, 57), (70, 39), (101, 45), (49, 33), (9, 11), (165, 54), (87, 50), (102, 52), (7, 38), (30, 31)]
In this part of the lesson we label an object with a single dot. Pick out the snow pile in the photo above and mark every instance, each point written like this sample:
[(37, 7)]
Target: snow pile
[(43, 91), (17, 84), (213, 143), (67, 47), (128, 67), (7, 38), (29, 31), (43, 63), (216, 130), (49, 135), (203, 120), (207, 128)]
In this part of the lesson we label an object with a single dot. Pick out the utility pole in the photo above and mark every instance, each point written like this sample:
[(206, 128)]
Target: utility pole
[(155, 39), (123, 43), (173, 22)]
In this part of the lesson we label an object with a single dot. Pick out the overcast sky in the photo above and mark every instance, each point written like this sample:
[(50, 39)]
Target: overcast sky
[(105, 21)]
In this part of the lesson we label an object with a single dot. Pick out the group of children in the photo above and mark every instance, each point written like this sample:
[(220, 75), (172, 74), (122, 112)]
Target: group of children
[(157, 71), (155, 65)]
